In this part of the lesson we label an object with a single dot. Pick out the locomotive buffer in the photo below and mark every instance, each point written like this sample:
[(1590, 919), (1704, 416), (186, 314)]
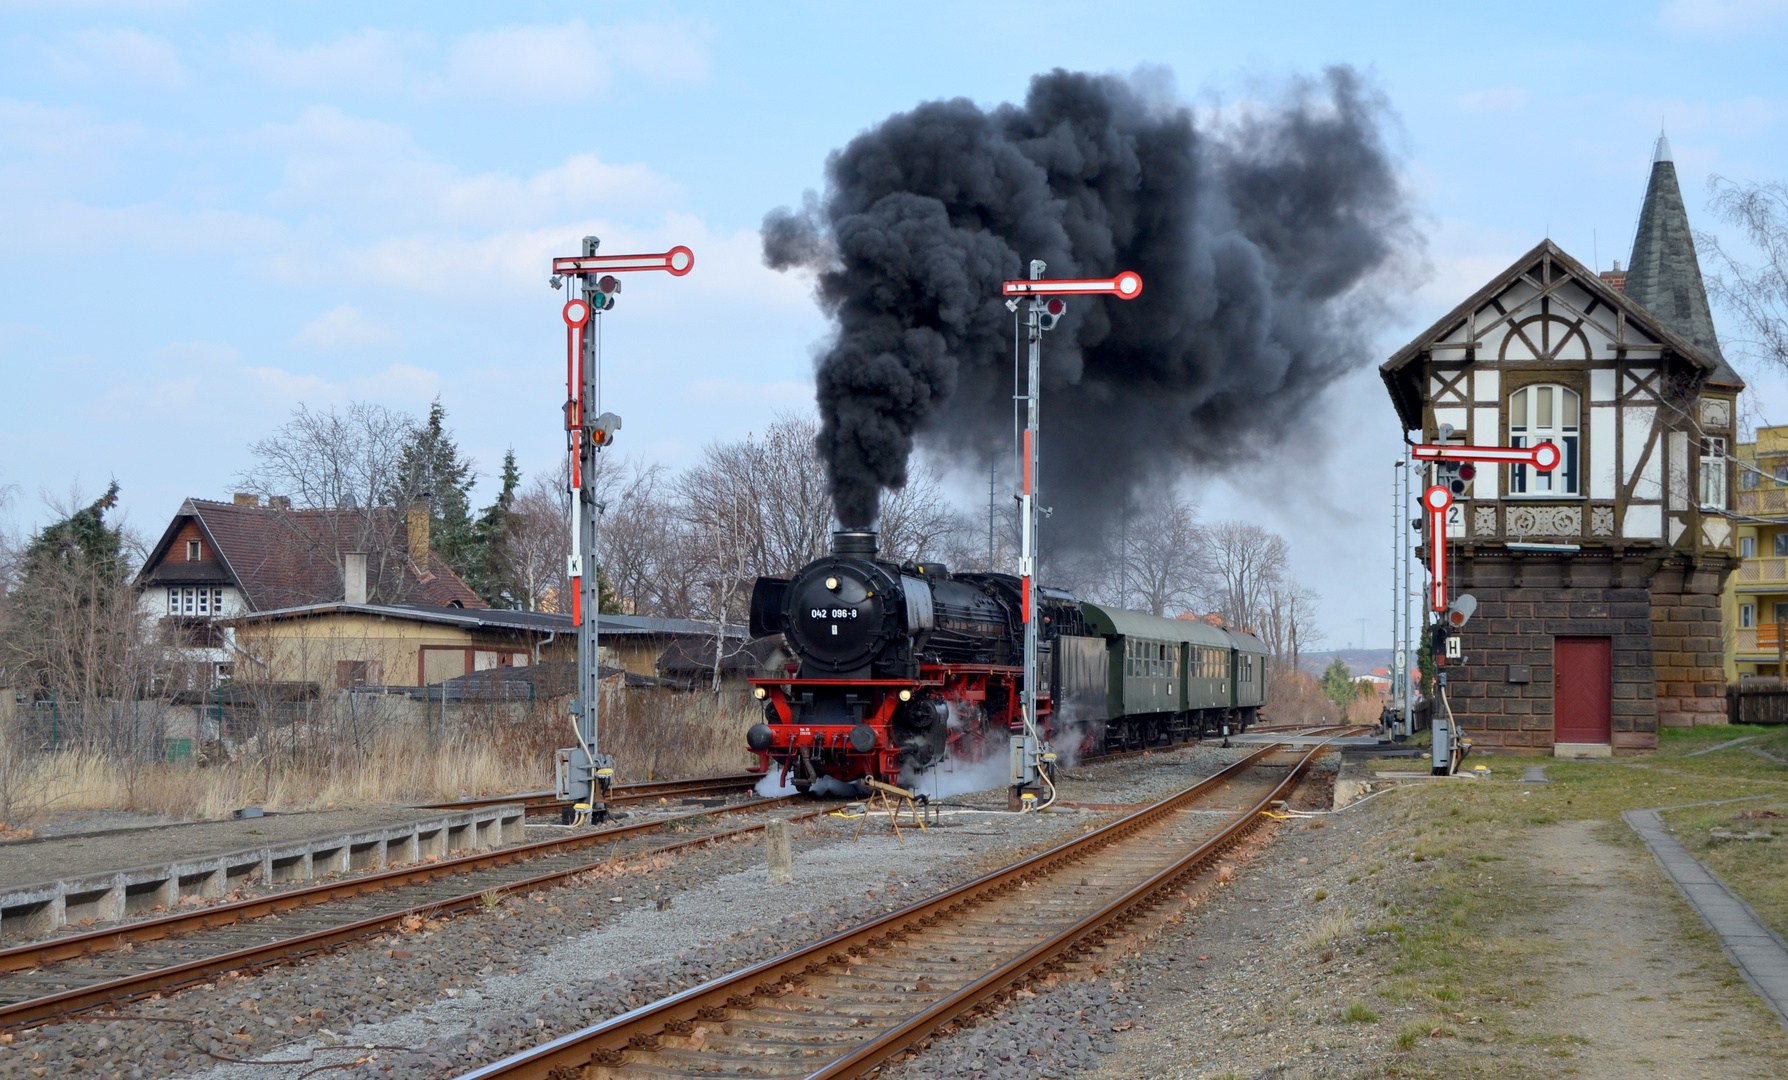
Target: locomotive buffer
[(1029, 750), (583, 772)]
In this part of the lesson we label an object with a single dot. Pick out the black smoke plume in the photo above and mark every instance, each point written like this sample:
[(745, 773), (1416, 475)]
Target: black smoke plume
[(1260, 241)]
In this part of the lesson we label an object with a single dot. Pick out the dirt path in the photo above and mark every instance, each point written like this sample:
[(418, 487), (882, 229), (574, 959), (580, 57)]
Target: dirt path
[(1638, 984), (1563, 951)]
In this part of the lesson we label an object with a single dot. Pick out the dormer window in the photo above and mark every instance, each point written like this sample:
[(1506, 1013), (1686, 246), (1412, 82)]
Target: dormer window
[(1545, 414), (192, 551)]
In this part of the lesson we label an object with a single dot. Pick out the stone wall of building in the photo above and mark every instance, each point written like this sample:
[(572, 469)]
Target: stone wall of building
[(1687, 635), (1503, 694)]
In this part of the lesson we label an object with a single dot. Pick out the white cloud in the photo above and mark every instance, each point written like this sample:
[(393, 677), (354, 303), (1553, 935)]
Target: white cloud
[(1719, 16), (368, 59), (343, 327), (543, 63), (117, 56), (1494, 99), (372, 171)]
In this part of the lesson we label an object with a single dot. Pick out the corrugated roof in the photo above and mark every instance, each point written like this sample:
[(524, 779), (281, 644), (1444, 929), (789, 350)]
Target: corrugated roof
[(488, 618), (1664, 276)]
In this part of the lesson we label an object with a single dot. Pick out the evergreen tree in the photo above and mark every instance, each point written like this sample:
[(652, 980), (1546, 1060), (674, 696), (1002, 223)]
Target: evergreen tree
[(82, 541), (432, 468), (1337, 683), (490, 567)]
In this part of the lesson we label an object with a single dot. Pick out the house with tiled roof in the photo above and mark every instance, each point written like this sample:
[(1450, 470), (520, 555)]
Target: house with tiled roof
[(223, 560)]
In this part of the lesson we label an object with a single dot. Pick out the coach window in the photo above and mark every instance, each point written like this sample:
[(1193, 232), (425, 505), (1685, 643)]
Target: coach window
[(1545, 414)]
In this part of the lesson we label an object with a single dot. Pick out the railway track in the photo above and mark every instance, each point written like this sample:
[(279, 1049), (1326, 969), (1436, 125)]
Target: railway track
[(844, 1005), (180, 950)]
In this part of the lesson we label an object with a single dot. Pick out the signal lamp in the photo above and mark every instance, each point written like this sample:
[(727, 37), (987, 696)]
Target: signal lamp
[(906, 695), (760, 693), (831, 583), (1050, 312)]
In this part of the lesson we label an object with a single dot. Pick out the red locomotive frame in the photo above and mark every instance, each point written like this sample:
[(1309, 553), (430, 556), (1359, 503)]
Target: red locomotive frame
[(963, 686)]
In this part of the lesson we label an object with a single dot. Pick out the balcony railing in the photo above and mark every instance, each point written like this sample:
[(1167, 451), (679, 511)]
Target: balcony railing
[(1763, 501), (1759, 571), (1760, 638)]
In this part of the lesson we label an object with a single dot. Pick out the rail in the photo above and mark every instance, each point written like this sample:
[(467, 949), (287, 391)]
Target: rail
[(284, 950), (607, 1044)]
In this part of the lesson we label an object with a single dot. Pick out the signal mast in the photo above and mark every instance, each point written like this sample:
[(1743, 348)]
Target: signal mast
[(583, 772), (1455, 467), (1029, 749)]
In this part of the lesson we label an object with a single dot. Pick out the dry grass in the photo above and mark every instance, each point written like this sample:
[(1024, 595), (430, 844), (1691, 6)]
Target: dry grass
[(651, 736), (1328, 932)]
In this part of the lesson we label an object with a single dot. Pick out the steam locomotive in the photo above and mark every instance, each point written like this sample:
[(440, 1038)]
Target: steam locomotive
[(904, 664)]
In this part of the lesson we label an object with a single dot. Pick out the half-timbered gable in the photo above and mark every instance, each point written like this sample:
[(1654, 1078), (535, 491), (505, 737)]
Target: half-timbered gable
[(1598, 584)]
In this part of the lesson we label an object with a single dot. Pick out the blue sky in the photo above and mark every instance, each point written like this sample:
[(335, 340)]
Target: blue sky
[(212, 212)]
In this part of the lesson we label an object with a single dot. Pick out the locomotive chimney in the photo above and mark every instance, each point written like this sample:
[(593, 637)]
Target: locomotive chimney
[(861, 542)]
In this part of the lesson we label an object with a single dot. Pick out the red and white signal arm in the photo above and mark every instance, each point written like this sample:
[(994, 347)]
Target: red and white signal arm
[(676, 262), (1544, 457), (1125, 286), (1438, 500)]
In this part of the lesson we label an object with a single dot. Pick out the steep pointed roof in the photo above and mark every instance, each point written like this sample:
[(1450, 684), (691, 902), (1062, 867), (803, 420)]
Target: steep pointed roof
[(1664, 275)]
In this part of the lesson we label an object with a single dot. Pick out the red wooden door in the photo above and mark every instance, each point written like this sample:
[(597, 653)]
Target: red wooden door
[(1582, 690)]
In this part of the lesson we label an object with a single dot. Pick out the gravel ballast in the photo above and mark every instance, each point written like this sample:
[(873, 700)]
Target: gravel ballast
[(468, 990)]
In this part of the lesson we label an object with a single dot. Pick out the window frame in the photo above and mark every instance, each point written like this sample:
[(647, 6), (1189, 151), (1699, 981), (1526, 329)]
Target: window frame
[(1568, 439), (1747, 616)]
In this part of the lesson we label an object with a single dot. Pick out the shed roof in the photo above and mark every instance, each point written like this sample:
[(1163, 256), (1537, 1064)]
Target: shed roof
[(534, 622)]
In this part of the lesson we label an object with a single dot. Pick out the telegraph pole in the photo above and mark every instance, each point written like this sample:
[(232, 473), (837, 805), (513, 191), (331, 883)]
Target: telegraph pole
[(583, 771), (1045, 309)]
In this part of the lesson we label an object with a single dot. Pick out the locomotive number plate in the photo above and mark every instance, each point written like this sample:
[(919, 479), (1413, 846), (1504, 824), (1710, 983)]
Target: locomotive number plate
[(832, 613)]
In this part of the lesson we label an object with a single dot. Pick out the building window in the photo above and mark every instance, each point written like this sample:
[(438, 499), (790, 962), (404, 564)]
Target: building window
[(191, 601), (1713, 473), (1545, 414), (1747, 478), (1747, 616), (1747, 547), (192, 551), (1781, 475), (1782, 545)]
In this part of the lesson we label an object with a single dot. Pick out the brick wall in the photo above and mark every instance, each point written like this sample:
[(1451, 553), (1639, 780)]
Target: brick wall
[(1687, 636), (1524, 602)]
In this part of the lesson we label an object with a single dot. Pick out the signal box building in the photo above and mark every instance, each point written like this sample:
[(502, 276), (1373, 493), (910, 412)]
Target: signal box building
[(1598, 585)]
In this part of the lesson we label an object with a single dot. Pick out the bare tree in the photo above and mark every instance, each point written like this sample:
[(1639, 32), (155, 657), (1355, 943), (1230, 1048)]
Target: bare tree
[(1164, 556), (336, 474), (917, 520), (540, 545), (1246, 562), (1288, 621), (1757, 293), (796, 511)]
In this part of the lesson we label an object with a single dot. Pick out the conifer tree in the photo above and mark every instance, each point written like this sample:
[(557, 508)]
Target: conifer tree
[(433, 469), (490, 565)]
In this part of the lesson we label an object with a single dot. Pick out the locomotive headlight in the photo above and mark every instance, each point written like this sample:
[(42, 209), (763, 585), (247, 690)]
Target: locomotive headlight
[(831, 583), (906, 695), (760, 693)]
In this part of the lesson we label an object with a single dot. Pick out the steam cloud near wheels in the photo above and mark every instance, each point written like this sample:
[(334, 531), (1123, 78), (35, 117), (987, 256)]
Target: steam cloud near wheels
[(1264, 238)]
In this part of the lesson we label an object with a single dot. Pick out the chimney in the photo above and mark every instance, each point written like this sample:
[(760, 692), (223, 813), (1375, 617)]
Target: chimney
[(1616, 277), (417, 524), (247, 498), (860, 542), (279, 502), (353, 577)]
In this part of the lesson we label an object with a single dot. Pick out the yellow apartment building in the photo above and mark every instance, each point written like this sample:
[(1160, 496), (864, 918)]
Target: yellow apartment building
[(1755, 603)]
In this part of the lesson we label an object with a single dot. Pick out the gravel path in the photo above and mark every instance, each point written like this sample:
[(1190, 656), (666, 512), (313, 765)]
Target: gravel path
[(468, 990)]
